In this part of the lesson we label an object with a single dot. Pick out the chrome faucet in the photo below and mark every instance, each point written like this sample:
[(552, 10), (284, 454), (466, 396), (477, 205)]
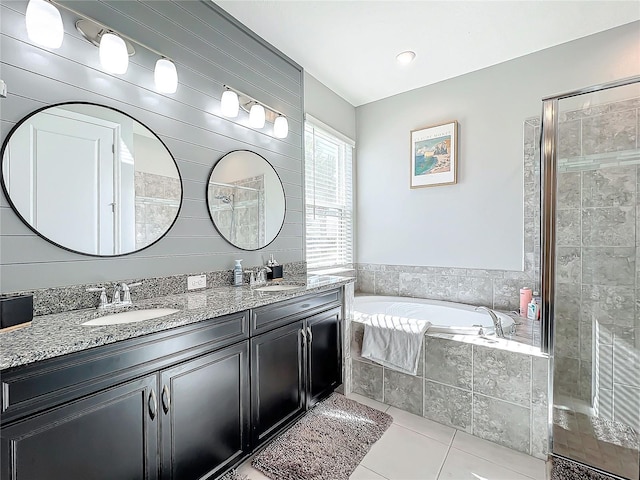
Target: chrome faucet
[(104, 302), (116, 300), (259, 276), (116, 295), (126, 293), (497, 323), (262, 274)]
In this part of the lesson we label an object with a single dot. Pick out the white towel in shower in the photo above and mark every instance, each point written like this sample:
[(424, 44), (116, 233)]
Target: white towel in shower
[(393, 341)]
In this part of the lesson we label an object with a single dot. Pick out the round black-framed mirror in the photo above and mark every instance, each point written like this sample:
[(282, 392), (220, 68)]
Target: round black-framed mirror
[(91, 179), (246, 200)]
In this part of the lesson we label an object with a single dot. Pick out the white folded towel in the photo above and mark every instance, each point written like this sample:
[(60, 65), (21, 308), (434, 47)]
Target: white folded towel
[(393, 341)]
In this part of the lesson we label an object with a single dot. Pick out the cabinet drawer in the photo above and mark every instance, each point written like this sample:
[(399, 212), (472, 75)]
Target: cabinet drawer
[(281, 313), (32, 388)]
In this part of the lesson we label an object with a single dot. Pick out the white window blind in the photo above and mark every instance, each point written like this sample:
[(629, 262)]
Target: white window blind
[(328, 199)]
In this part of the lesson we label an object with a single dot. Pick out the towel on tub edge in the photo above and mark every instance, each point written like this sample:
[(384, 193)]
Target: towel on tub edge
[(393, 341)]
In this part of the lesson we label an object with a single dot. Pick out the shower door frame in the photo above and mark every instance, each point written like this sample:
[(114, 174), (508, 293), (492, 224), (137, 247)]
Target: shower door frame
[(548, 183)]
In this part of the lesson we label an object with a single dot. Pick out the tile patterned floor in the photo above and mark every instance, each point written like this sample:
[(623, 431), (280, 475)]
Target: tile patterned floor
[(417, 448)]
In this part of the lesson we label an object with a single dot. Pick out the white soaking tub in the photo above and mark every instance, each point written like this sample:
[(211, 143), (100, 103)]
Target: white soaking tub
[(445, 317)]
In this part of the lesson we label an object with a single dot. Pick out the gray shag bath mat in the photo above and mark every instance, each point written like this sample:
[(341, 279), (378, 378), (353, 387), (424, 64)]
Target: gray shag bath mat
[(327, 443)]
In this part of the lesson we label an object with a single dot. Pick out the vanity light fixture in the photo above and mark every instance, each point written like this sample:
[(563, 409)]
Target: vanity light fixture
[(44, 24), (165, 76), (229, 103), (114, 57), (259, 113), (280, 127), (257, 116), (405, 58), (45, 27)]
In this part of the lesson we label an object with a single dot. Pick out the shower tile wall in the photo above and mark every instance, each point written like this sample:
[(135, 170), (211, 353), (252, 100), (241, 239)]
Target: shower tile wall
[(157, 203), (242, 221), (598, 269), (497, 289)]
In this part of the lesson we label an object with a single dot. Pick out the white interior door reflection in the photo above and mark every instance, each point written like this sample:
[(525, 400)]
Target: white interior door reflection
[(91, 179), (60, 142)]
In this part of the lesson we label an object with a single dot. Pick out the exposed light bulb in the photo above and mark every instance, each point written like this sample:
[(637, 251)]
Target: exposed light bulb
[(281, 127), (165, 76), (405, 58), (114, 56), (44, 24), (256, 116), (229, 104)]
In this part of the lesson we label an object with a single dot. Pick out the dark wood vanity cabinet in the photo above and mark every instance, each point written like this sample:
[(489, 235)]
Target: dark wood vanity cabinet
[(295, 365), (324, 355), (186, 417), (204, 410), (277, 380), (104, 436), (182, 404)]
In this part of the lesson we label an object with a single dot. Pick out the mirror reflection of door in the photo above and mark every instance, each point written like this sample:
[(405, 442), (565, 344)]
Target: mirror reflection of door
[(91, 179), (59, 142)]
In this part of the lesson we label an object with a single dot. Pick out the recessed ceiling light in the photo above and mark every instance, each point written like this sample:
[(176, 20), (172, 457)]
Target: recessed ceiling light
[(405, 58)]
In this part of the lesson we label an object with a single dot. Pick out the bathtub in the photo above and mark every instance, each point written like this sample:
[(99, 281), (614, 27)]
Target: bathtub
[(445, 317)]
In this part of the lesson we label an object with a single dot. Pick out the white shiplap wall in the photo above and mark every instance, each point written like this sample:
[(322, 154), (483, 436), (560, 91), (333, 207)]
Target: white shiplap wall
[(210, 49)]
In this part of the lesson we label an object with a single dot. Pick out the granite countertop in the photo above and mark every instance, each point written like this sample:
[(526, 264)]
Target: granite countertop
[(57, 334)]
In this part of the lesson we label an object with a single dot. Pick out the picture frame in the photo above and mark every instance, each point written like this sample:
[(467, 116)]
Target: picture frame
[(434, 155)]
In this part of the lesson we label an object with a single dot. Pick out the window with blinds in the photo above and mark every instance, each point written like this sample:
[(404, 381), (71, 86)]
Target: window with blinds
[(328, 199)]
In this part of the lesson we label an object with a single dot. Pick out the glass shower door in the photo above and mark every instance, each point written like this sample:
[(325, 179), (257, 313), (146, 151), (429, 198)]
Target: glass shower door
[(595, 297)]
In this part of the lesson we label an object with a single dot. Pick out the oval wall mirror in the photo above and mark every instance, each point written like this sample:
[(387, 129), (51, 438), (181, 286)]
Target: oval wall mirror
[(91, 179), (246, 200)]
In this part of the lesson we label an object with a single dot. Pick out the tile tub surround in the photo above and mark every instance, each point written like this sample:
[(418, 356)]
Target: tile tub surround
[(58, 334), (75, 297), (493, 389)]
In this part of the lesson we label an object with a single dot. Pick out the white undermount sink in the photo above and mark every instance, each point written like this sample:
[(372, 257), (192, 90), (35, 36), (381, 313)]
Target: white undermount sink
[(131, 316), (278, 288)]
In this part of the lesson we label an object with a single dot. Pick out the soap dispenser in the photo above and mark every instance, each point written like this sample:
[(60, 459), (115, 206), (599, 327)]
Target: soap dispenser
[(237, 274)]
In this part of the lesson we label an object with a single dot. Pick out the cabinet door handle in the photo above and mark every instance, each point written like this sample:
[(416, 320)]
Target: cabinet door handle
[(310, 334), (166, 399), (153, 404), (304, 335)]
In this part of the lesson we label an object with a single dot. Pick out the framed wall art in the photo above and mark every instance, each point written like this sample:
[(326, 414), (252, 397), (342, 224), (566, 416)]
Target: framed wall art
[(434, 155)]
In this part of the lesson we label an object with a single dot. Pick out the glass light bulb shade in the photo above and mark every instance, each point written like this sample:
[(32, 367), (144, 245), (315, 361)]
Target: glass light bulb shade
[(44, 24), (165, 76), (229, 104), (114, 56), (281, 127), (256, 116)]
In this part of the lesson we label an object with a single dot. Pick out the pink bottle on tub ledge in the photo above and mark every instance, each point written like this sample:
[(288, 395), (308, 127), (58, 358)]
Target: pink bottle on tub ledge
[(525, 298)]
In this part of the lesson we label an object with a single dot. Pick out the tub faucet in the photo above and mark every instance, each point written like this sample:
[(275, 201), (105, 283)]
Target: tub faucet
[(497, 323)]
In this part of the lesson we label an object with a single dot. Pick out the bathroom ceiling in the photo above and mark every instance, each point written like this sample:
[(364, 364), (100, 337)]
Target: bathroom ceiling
[(351, 46)]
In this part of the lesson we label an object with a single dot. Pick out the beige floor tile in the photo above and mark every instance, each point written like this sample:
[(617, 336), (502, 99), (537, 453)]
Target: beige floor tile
[(516, 461), (362, 473), (422, 425), (464, 466), (402, 454), (369, 402), (250, 472)]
